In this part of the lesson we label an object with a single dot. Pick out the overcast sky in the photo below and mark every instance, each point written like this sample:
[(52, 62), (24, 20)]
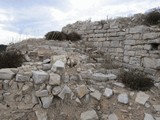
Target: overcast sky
[(20, 19)]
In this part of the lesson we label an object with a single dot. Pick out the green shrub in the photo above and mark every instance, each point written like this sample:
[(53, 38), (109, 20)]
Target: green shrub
[(135, 80), (152, 17), (73, 36), (11, 59)]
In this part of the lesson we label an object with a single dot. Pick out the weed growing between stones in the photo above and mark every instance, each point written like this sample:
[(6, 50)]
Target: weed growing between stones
[(135, 80), (11, 59)]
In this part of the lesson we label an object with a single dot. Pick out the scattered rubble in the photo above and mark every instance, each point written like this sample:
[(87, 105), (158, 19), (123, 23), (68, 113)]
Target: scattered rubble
[(59, 88)]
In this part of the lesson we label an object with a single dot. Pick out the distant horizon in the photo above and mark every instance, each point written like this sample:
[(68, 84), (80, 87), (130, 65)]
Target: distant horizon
[(24, 19)]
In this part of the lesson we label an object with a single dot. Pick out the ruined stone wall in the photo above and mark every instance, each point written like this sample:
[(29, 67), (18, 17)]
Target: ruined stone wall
[(131, 45)]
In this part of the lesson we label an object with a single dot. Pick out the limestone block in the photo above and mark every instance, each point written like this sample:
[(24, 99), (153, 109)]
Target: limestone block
[(138, 29), (129, 42), (81, 91), (127, 47), (114, 43), (54, 58), (150, 35), (54, 79), (129, 53), (147, 47), (89, 115), (151, 63), (6, 74), (136, 36), (22, 78), (119, 50), (106, 43), (126, 59), (40, 77), (135, 61)]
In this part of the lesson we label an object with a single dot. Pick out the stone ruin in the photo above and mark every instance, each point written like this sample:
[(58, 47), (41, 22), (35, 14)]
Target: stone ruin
[(64, 80)]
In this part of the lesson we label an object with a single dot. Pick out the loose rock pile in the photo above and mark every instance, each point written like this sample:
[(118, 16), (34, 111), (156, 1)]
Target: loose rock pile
[(71, 86)]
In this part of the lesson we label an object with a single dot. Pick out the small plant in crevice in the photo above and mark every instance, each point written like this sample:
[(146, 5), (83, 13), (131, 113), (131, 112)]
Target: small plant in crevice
[(11, 59), (136, 80)]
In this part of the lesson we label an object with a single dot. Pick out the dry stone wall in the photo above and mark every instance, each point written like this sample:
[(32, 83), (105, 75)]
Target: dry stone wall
[(136, 46)]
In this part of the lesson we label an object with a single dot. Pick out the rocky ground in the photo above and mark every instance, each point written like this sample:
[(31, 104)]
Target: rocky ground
[(71, 85)]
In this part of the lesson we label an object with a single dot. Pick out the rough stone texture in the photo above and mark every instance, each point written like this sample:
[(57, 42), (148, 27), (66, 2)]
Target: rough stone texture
[(112, 117), (96, 94), (41, 114), (108, 92), (41, 93), (56, 90), (132, 41), (81, 91), (103, 77), (54, 79), (40, 77), (141, 98), (89, 115), (55, 58), (6, 74), (65, 90), (22, 78), (59, 64), (148, 117), (157, 107), (46, 101), (123, 98)]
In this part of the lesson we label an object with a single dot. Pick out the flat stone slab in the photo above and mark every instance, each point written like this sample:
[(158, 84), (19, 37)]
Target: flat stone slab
[(6, 74), (148, 117), (103, 77), (22, 78), (40, 77), (54, 79), (157, 107), (81, 90), (108, 92), (123, 98), (112, 116), (64, 91), (141, 98), (96, 94), (46, 101), (41, 114), (59, 64), (89, 115)]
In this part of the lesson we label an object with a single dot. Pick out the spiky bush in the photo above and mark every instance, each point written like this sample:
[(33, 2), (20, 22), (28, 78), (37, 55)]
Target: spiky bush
[(56, 35), (152, 17), (135, 80), (73, 36), (11, 59), (3, 48)]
